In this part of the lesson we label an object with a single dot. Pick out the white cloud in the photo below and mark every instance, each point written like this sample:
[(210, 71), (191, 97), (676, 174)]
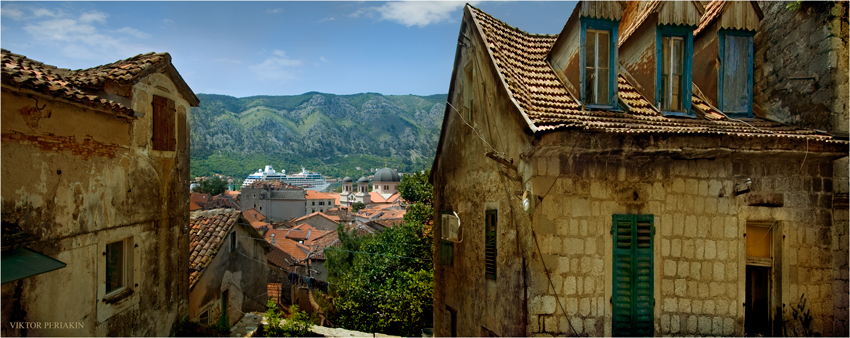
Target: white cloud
[(278, 67), (322, 58), (12, 12), (134, 32), (95, 16), (83, 35), (415, 13), (329, 18), (274, 10)]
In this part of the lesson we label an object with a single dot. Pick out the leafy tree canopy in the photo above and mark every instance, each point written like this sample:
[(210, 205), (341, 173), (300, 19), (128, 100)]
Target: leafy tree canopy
[(385, 283), (213, 186), (416, 188)]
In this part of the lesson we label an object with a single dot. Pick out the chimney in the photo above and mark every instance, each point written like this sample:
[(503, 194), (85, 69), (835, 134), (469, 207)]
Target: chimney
[(273, 240)]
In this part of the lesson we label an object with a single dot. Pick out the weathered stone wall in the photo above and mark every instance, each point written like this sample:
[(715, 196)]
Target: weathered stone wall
[(801, 64), (75, 179), (699, 244), (802, 78)]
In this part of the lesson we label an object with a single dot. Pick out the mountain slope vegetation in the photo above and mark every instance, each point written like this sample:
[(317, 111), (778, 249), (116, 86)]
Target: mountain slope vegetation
[(327, 133)]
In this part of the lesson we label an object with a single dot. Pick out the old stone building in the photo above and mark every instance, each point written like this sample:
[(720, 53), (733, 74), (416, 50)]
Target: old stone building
[(227, 267), (275, 200), (95, 175), (587, 183)]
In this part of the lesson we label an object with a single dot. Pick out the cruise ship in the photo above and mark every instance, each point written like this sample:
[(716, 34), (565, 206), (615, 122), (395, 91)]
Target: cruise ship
[(304, 179)]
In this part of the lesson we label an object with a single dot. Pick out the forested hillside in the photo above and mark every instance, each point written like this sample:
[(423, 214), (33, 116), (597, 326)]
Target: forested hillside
[(327, 133)]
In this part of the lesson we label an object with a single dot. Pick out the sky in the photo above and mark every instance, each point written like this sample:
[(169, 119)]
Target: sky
[(242, 49)]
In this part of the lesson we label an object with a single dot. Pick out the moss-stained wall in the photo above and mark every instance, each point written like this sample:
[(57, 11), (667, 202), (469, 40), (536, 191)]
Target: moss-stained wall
[(75, 179)]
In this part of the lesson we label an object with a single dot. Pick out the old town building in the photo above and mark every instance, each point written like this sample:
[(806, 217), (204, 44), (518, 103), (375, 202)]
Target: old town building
[(621, 178), (95, 197)]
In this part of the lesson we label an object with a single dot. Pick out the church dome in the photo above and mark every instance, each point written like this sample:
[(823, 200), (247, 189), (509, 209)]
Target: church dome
[(347, 180), (363, 179), (386, 175)]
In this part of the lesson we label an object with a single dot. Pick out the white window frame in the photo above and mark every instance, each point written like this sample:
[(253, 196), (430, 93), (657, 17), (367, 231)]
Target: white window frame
[(126, 296)]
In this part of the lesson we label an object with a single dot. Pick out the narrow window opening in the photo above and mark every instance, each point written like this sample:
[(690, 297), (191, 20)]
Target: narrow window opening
[(490, 244), (115, 267), (672, 70)]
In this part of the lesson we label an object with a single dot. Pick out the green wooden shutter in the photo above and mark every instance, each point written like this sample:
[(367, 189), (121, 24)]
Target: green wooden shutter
[(633, 275)]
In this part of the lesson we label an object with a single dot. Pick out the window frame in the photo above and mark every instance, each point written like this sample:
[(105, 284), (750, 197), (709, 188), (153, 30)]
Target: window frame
[(124, 275), (687, 67), (598, 24), (117, 300), (721, 52)]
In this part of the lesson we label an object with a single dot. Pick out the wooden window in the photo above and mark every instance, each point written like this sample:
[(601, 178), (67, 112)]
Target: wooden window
[(490, 243), (597, 67), (205, 317), (599, 73), (164, 137), (674, 54), (633, 298), (735, 81), (672, 48), (116, 264)]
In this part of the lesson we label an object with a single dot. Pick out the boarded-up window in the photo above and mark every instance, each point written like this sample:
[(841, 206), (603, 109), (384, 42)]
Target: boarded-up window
[(633, 281), (164, 137), (736, 88), (672, 51), (758, 241), (490, 222)]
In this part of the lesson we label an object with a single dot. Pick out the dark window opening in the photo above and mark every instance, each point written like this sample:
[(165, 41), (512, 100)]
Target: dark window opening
[(115, 267), (490, 222)]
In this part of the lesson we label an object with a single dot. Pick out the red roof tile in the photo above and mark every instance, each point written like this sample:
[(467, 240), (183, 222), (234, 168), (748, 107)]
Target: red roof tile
[(208, 229), (520, 59)]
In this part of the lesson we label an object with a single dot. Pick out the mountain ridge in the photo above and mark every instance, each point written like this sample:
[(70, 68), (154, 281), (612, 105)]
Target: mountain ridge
[(323, 132)]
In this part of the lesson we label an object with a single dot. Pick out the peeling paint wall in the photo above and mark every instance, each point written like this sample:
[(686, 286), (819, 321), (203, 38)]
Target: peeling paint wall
[(75, 180), (637, 55)]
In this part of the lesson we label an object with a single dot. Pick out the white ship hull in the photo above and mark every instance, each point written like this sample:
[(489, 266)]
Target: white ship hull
[(304, 179)]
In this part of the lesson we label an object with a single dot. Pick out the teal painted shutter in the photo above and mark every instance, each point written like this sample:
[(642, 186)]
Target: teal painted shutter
[(633, 280)]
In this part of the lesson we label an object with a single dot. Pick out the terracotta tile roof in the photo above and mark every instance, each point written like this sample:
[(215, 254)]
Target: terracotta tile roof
[(199, 198), (279, 258), (208, 230), (712, 11), (194, 206), (316, 195), (342, 215), (22, 72), (638, 104), (541, 98), (319, 214), (255, 218)]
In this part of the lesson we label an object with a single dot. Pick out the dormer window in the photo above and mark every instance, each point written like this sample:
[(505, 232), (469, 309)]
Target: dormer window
[(599, 72), (674, 53), (735, 82)]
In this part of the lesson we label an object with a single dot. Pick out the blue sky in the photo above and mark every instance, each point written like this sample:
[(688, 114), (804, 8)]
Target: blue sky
[(268, 47)]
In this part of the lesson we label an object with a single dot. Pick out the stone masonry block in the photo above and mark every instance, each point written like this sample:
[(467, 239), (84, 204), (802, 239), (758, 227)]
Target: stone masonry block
[(719, 271), (728, 326), (708, 306), (704, 325), (667, 287), (731, 228), (665, 323), (710, 249), (675, 324), (692, 324), (703, 187), (670, 305), (685, 305), (681, 287), (665, 247), (676, 248), (691, 186), (678, 185), (570, 285), (716, 289), (584, 306), (716, 325), (688, 248), (722, 251), (722, 306), (690, 226), (699, 249), (696, 270), (669, 267), (683, 269)]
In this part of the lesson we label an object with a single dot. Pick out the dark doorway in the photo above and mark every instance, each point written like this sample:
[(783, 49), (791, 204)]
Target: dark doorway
[(757, 311)]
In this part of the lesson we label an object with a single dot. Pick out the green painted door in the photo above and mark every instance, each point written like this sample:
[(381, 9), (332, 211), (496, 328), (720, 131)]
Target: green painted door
[(633, 280)]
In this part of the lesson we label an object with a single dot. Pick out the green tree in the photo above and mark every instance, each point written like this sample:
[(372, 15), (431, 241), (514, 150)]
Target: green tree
[(357, 206), (212, 186), (415, 188), (385, 283)]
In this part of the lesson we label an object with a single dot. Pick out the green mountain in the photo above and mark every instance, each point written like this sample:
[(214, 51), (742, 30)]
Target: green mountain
[(327, 133)]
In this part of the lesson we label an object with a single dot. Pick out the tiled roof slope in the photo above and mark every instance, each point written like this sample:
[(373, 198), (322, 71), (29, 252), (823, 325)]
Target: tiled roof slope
[(22, 72), (123, 71), (520, 59), (208, 229)]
